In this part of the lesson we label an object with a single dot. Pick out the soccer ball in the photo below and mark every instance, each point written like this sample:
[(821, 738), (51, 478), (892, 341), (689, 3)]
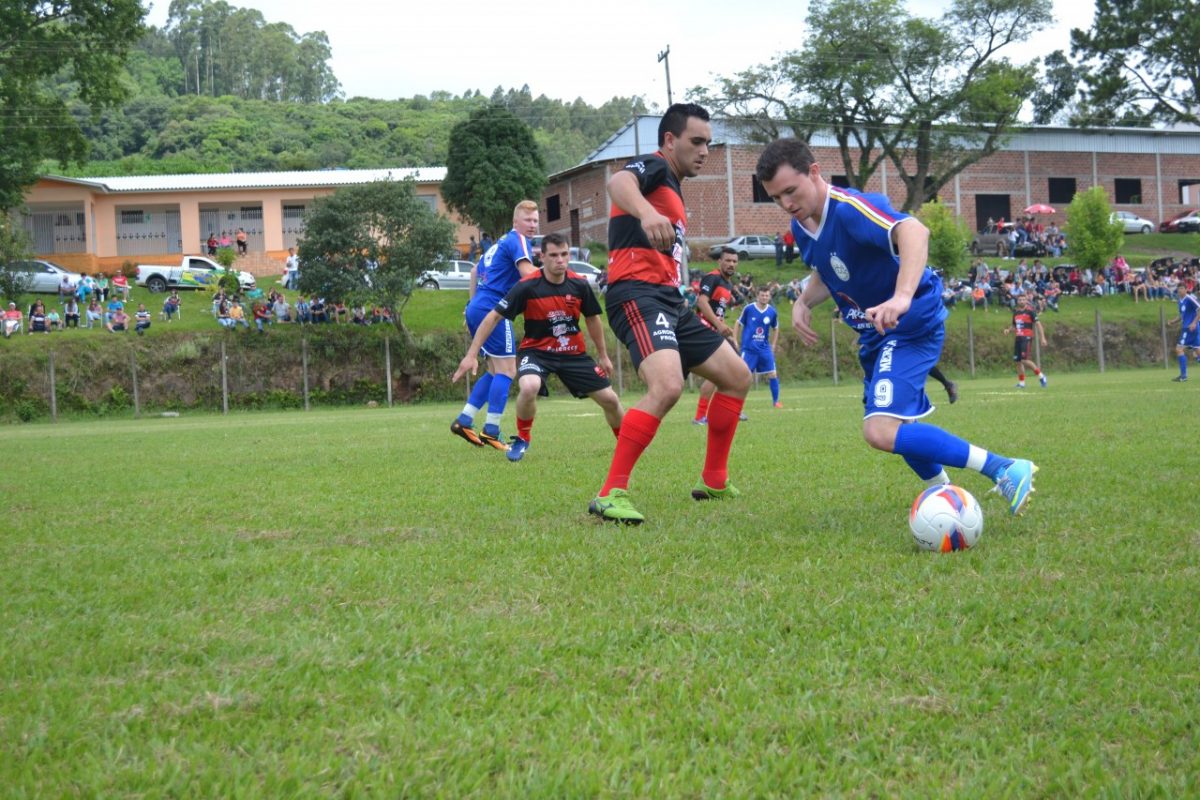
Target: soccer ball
[(945, 518)]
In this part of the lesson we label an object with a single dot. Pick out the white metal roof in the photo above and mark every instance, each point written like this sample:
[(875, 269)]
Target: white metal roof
[(255, 180)]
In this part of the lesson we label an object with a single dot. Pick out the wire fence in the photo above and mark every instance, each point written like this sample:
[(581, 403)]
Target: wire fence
[(229, 373)]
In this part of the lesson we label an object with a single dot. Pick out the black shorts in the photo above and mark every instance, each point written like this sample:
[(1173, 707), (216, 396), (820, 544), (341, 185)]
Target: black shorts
[(578, 372), (1021, 348), (649, 317)]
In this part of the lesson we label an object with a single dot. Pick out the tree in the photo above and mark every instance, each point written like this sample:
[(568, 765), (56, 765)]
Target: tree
[(948, 238), (14, 246), (1094, 237), (492, 164), (1141, 60), (84, 44), (370, 243), (932, 96)]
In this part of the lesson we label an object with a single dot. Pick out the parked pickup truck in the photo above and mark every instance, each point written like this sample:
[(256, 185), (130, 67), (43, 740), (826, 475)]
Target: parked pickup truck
[(193, 272)]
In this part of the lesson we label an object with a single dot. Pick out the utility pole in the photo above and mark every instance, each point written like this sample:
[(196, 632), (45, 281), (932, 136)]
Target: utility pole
[(663, 59)]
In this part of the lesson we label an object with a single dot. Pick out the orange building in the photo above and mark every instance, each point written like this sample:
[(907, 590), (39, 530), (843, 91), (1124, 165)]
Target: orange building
[(90, 224)]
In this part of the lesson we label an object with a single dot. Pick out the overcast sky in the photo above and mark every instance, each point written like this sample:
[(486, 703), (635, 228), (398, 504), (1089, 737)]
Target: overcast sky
[(387, 50)]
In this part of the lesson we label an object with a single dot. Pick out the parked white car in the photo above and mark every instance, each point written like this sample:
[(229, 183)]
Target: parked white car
[(747, 247), (192, 272), (44, 276), (1132, 222), (586, 271), (453, 274)]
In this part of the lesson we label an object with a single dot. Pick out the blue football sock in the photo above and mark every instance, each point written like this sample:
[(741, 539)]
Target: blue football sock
[(1183, 366), (926, 470), (476, 400), (930, 444), (498, 396), (775, 390)]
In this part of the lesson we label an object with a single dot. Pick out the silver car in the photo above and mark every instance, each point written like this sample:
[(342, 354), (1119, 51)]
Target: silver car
[(747, 247), (585, 270), (447, 275), (1132, 222), (45, 276)]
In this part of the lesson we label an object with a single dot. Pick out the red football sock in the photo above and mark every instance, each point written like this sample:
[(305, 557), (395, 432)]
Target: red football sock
[(617, 432), (1021, 375), (637, 431), (524, 426), (702, 407), (1037, 372), (722, 424)]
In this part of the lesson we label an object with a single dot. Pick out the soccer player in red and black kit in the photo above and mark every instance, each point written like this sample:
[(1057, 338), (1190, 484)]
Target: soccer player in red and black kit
[(1024, 323), (647, 264), (552, 301), (715, 297)]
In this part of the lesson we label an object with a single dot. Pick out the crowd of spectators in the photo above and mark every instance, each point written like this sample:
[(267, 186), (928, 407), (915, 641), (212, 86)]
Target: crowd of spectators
[(274, 308), (1047, 238), (990, 287)]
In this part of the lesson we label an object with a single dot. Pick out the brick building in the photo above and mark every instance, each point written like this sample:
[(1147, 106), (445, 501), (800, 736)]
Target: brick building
[(1152, 173)]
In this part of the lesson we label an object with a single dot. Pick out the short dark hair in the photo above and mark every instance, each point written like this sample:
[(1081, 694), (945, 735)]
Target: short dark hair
[(675, 120), (555, 238), (727, 251), (793, 152)]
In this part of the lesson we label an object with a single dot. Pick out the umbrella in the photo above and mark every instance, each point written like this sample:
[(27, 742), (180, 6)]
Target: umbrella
[(1039, 208)]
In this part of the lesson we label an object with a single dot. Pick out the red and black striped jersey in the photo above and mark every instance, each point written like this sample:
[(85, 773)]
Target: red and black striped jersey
[(719, 292), (630, 256), (1022, 322), (551, 311)]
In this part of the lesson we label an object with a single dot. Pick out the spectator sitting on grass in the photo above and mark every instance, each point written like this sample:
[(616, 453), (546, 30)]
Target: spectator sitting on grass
[(141, 320), (303, 310), (281, 309), (12, 320), (358, 316), (94, 313), (118, 321), (262, 315), (238, 314), (114, 305), (223, 318), (53, 321), (71, 313), (170, 306), (37, 318), (319, 314)]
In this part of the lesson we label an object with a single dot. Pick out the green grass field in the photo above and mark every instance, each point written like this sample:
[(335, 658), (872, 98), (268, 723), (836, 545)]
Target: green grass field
[(355, 603)]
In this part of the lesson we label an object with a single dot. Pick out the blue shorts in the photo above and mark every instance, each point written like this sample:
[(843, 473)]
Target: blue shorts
[(1189, 338), (759, 361), (896, 370), (502, 343)]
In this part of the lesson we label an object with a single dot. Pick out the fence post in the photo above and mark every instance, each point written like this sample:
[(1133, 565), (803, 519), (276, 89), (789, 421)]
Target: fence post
[(224, 382), (53, 391), (1099, 341), (971, 341), (137, 404), (387, 355), (833, 347), (1162, 324), (304, 367)]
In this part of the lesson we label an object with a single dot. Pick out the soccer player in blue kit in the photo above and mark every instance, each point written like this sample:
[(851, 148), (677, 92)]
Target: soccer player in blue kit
[(759, 331), (872, 260), (502, 265), (1189, 336)]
